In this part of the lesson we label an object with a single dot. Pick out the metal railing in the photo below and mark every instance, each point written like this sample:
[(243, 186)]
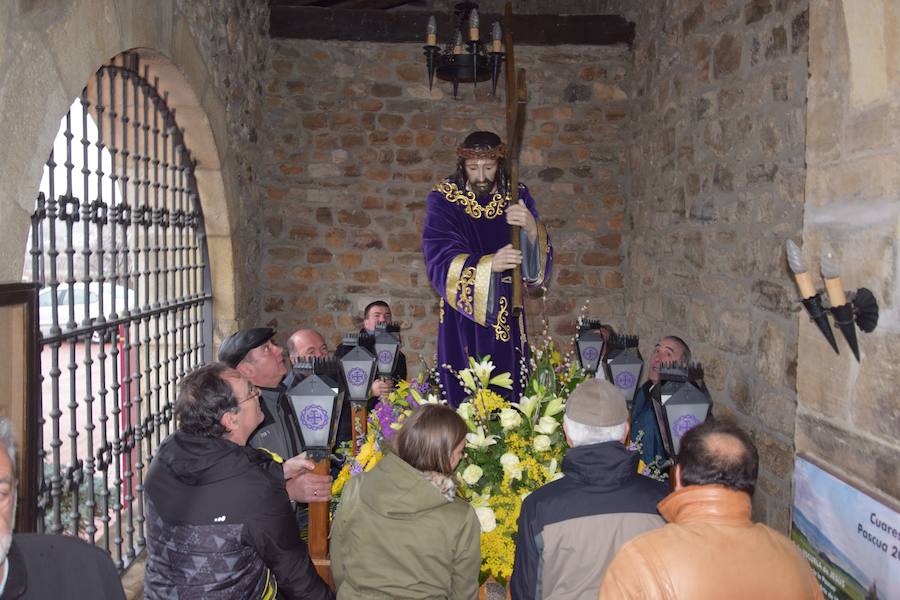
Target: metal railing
[(118, 243)]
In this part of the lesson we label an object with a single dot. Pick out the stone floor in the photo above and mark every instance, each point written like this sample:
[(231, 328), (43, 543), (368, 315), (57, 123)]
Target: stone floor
[(133, 579)]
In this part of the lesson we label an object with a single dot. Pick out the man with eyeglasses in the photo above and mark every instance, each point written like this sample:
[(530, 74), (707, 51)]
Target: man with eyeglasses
[(219, 518), (253, 354)]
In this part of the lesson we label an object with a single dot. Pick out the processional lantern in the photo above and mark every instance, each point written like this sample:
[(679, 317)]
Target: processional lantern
[(387, 348), (589, 344), (358, 369), (626, 366), (680, 402), (317, 402), (465, 58)]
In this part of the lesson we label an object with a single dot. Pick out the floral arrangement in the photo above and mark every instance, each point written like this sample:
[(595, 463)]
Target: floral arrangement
[(512, 448)]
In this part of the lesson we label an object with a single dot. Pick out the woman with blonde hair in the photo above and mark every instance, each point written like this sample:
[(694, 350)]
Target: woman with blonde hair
[(400, 531)]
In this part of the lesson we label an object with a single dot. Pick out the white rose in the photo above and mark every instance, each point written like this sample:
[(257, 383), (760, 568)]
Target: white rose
[(511, 465), (546, 425), (510, 418), (472, 474), (486, 518), (541, 443)]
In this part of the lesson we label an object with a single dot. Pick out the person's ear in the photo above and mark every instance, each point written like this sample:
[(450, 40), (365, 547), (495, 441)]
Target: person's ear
[(245, 369), (229, 421)]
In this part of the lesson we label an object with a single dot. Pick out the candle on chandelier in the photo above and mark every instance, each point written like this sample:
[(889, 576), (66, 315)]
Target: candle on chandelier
[(457, 43), (831, 273), (431, 32), (798, 267), (473, 25), (496, 37)]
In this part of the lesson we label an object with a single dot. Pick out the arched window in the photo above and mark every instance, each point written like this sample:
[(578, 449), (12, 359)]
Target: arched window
[(118, 244)]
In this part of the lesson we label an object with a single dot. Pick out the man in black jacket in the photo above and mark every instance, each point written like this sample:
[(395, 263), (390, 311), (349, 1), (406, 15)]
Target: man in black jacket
[(569, 529), (219, 517)]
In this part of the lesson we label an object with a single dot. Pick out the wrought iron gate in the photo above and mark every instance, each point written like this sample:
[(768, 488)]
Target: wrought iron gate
[(118, 243)]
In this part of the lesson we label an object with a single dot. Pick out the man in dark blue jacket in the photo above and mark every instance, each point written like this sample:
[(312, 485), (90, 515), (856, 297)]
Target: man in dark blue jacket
[(219, 517), (569, 529)]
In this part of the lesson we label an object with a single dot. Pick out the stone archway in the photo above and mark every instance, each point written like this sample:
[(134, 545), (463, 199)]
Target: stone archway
[(51, 54)]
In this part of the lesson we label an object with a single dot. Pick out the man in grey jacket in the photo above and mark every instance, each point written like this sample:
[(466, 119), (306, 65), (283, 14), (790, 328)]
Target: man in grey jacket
[(569, 529)]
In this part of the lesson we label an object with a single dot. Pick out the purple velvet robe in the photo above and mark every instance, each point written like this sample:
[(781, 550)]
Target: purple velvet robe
[(459, 240)]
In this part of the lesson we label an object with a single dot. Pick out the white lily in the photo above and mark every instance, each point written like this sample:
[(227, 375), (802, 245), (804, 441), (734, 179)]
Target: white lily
[(552, 467), (468, 380), (503, 380), (482, 370), (554, 407), (479, 500), (466, 411), (430, 399), (479, 440), (528, 404)]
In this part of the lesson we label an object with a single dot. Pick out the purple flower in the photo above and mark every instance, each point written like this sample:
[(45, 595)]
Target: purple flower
[(355, 469), (423, 388), (384, 412)]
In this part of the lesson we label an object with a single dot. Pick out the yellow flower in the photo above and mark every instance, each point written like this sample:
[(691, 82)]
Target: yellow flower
[(487, 402), (341, 480), (376, 458)]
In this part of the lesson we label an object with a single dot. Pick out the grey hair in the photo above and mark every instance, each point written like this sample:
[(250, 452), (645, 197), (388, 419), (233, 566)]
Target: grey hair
[(584, 435), (9, 440), (686, 350)]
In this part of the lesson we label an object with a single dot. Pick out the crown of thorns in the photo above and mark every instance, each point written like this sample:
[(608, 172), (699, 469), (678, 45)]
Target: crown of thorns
[(496, 152)]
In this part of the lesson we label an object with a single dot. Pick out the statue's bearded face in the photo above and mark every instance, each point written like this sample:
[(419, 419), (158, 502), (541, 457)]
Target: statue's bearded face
[(481, 174)]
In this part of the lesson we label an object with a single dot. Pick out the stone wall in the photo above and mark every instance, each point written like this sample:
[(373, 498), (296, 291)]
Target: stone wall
[(53, 47), (848, 415), (231, 38), (716, 184), (355, 141)]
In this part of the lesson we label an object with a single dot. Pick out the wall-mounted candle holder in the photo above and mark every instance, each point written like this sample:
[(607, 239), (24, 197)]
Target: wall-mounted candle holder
[(850, 309)]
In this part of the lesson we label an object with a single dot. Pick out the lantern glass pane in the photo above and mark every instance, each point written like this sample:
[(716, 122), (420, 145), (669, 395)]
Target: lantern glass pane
[(314, 417)]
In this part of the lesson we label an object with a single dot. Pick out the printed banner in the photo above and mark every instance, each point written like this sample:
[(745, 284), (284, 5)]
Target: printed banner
[(851, 540)]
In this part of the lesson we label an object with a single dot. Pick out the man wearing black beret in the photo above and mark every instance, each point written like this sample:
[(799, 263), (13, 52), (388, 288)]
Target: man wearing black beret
[(255, 356)]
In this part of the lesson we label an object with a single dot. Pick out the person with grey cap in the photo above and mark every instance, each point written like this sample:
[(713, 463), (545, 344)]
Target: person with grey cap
[(569, 529), (253, 354)]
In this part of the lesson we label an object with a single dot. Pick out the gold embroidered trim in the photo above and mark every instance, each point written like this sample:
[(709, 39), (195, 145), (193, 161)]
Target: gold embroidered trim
[(501, 327), (467, 200), (453, 273), (441, 315), (467, 290), (482, 288)]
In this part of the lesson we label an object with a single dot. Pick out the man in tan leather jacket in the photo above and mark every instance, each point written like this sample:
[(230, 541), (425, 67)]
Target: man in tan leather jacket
[(710, 549)]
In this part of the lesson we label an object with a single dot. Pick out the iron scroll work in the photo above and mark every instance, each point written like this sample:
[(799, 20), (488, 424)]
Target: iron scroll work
[(125, 303)]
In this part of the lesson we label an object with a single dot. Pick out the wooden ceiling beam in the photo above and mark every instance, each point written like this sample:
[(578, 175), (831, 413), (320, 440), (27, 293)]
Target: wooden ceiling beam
[(366, 25)]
